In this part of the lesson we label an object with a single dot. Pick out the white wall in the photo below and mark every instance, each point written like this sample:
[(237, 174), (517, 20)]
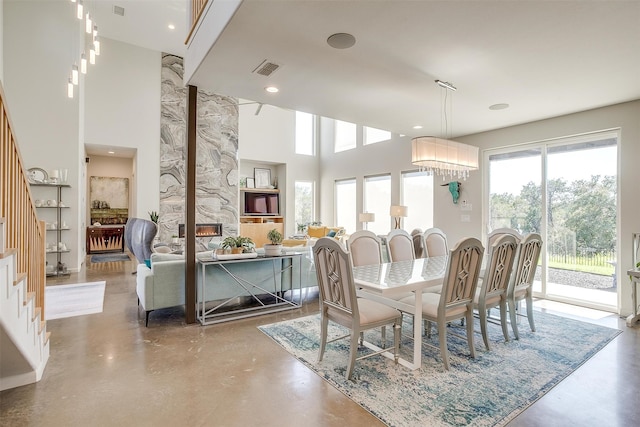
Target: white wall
[(38, 53), (270, 138), (122, 109), (1, 40)]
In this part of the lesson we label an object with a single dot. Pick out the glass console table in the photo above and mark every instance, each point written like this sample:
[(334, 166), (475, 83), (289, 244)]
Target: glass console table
[(268, 284)]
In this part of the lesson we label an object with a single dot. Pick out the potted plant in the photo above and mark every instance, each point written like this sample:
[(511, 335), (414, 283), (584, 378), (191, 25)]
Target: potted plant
[(238, 245), (275, 247), (153, 215), (175, 239)]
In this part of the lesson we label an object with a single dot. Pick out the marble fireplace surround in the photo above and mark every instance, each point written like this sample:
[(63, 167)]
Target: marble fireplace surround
[(216, 158)]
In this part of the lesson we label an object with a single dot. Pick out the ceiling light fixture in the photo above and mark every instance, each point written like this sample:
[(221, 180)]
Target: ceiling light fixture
[(172, 27), (70, 88), (83, 63), (88, 24), (74, 74), (495, 107), (417, 127), (443, 156), (111, 152), (272, 89), (80, 10)]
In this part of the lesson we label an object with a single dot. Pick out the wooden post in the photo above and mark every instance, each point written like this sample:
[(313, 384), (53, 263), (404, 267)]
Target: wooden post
[(190, 208)]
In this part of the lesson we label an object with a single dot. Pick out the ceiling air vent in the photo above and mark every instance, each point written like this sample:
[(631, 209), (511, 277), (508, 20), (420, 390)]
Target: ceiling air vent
[(117, 10), (266, 68)]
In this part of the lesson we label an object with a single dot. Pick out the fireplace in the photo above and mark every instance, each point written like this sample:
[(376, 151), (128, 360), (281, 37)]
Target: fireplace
[(203, 230)]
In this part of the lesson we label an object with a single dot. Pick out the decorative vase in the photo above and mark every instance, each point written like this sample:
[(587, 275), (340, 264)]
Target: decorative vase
[(236, 251), (272, 250)]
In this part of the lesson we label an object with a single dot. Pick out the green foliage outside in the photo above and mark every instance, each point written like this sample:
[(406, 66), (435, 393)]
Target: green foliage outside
[(581, 220)]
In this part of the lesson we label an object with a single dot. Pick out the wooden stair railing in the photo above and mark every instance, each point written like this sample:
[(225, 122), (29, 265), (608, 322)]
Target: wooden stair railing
[(197, 6), (23, 230)]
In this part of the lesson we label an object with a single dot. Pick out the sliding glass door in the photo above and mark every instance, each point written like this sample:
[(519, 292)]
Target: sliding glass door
[(566, 191)]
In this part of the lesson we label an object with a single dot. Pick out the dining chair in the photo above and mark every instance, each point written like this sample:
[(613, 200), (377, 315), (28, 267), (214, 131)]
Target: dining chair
[(400, 246), (435, 242), (492, 292), (418, 243), (521, 285), (338, 302), (365, 248), (458, 291), (495, 234)]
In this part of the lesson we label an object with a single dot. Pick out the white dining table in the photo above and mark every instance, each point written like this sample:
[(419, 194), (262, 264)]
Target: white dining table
[(383, 282)]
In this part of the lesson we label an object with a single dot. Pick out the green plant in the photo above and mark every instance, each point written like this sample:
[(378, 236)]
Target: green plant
[(154, 216), (274, 236), (301, 227), (238, 242)]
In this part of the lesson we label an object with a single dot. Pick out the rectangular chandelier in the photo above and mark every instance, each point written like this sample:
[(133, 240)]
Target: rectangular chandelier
[(443, 156)]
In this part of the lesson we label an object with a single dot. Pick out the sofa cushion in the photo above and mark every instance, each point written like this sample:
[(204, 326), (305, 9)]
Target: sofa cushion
[(317, 231)]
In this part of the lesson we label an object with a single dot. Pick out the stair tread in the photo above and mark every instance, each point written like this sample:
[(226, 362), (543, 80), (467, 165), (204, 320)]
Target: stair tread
[(20, 277), (29, 297), (36, 313), (8, 252)]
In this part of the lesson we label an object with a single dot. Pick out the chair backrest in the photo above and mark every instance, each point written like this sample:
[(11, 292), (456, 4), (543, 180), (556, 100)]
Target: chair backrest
[(365, 248), (400, 246), (335, 279), (499, 266), (528, 256), (138, 236), (435, 242), (495, 234), (461, 276), (418, 243)]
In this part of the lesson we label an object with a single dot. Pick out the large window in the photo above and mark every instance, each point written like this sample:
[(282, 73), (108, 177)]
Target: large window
[(305, 133), (345, 136), (304, 202), (377, 199), (373, 135), (346, 204), (417, 195)]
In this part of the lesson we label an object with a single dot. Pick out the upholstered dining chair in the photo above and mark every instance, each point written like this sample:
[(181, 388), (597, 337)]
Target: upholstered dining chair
[(338, 302), (365, 248), (521, 285), (400, 246), (435, 242), (138, 237), (458, 290), (492, 292), (418, 242)]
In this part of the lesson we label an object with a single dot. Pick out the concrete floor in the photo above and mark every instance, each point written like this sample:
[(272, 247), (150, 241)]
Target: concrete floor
[(109, 370)]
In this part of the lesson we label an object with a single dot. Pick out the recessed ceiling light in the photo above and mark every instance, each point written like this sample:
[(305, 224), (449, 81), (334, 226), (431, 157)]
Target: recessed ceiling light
[(111, 152), (498, 106), (172, 27), (271, 89), (341, 40), (417, 127)]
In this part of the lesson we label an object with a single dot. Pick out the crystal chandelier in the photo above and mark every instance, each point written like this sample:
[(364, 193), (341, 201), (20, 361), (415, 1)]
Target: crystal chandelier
[(443, 156)]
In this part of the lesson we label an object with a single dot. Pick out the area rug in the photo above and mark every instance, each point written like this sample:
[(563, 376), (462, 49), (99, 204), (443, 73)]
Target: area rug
[(489, 390), (110, 257), (73, 300)]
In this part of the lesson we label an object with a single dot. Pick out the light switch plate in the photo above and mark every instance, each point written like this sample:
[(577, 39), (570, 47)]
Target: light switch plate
[(465, 218)]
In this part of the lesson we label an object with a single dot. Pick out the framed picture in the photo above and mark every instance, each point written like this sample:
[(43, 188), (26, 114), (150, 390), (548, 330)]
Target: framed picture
[(251, 183), (262, 177)]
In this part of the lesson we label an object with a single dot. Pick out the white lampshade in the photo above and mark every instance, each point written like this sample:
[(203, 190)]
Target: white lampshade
[(399, 211), (444, 156), (367, 217)]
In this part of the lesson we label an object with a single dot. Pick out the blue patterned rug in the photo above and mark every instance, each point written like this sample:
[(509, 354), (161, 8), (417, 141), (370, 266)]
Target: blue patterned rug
[(489, 390), (110, 257)]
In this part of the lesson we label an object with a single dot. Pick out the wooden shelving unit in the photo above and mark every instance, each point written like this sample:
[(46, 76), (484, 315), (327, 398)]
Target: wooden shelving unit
[(257, 227)]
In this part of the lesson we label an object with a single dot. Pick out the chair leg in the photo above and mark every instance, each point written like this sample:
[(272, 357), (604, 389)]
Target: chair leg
[(397, 334), (482, 314), (472, 348), (323, 336), (427, 328), (503, 320), (442, 334), (383, 332), (353, 349), (512, 316), (530, 309)]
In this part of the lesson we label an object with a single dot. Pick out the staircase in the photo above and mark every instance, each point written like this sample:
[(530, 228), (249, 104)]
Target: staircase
[(24, 340)]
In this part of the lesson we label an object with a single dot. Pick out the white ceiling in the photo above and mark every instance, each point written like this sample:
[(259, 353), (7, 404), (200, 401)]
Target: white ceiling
[(542, 58)]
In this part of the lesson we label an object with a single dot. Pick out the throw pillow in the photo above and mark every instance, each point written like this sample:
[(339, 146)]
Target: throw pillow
[(331, 233)]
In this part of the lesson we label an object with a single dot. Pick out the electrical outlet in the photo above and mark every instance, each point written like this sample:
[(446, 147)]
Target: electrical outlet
[(465, 218)]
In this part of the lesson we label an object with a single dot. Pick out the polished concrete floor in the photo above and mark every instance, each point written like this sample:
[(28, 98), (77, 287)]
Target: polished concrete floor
[(109, 370)]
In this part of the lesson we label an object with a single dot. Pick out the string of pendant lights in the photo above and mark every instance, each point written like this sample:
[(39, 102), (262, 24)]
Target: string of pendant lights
[(91, 31)]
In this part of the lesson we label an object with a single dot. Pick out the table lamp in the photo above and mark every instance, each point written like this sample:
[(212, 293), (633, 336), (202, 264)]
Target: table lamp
[(366, 217), (398, 212)]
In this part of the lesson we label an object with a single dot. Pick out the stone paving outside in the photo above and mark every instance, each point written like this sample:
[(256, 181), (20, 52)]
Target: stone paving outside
[(580, 279)]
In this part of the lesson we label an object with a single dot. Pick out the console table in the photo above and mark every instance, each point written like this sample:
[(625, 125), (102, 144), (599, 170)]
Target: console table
[(633, 318), (266, 288), (105, 238)]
